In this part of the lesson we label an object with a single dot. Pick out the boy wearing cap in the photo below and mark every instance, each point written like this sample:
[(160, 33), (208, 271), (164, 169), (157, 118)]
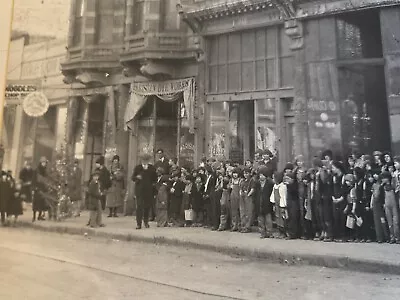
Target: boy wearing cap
[(247, 189), (94, 200), (391, 207)]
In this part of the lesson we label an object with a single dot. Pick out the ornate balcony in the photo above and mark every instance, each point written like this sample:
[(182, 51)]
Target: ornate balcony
[(158, 46), (94, 56)]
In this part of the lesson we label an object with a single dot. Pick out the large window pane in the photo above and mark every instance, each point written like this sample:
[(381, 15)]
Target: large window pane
[(217, 129), (261, 75), (248, 79), (213, 78), (137, 17), (234, 77), (271, 42), (261, 49), (271, 73), (186, 149), (248, 45), (234, 47), (222, 78), (222, 49), (266, 130)]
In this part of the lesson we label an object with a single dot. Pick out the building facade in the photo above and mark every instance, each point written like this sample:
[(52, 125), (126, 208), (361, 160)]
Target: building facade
[(34, 66), (132, 69), (298, 77)]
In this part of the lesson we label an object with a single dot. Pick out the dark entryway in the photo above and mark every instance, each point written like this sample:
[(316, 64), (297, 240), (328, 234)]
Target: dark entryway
[(362, 87)]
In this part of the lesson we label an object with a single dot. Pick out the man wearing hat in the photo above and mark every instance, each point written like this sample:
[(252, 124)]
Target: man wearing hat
[(104, 179), (145, 177), (75, 186)]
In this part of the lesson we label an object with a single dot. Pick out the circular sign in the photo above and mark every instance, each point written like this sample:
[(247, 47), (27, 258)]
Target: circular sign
[(35, 104)]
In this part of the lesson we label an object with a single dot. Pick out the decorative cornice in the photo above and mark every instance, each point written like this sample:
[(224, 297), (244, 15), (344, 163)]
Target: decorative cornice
[(289, 9)]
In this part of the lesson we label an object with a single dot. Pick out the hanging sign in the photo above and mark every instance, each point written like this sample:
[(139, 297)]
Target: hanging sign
[(35, 104)]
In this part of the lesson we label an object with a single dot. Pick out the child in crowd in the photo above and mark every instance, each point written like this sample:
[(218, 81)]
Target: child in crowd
[(162, 199), (197, 200), (94, 201), (176, 195), (186, 198), (279, 199), (234, 187)]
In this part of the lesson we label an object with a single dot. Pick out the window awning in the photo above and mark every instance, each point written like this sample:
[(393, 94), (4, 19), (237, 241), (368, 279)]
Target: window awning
[(166, 91)]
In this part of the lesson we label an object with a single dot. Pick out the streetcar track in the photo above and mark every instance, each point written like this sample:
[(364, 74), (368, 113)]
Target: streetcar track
[(59, 260)]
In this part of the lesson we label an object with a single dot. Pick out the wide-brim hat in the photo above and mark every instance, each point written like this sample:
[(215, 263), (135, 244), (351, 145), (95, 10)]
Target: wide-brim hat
[(377, 153), (100, 160), (43, 159)]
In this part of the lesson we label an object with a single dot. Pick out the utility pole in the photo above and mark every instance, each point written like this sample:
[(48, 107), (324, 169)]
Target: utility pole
[(6, 18)]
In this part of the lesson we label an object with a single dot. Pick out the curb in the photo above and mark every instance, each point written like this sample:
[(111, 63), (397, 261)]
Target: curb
[(284, 258)]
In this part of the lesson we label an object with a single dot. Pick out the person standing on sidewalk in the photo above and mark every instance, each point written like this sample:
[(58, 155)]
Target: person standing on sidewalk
[(5, 194), (145, 177), (104, 179), (266, 186), (75, 188), (391, 207), (26, 176), (94, 201), (116, 192), (39, 202), (247, 189)]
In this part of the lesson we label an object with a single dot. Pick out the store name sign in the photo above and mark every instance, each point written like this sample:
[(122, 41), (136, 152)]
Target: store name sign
[(19, 91)]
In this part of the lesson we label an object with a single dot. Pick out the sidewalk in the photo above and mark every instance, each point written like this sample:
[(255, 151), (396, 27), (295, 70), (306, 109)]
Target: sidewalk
[(363, 257)]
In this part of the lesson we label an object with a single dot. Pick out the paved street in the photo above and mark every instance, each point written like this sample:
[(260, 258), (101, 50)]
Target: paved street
[(371, 257), (38, 265)]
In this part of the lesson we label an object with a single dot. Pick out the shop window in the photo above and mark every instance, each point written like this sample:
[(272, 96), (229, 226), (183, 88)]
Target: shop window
[(169, 16), (217, 129), (78, 22), (265, 125), (104, 21), (247, 61), (137, 16), (359, 35), (186, 141)]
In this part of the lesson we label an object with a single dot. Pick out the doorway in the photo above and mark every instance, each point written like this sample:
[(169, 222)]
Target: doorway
[(362, 86), (163, 125)]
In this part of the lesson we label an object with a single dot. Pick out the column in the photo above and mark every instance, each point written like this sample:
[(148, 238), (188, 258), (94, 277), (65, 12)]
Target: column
[(390, 24), (17, 144)]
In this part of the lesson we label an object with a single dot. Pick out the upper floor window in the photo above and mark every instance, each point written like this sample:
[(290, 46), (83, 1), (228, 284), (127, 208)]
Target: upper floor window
[(137, 16), (104, 21), (169, 16), (78, 22)]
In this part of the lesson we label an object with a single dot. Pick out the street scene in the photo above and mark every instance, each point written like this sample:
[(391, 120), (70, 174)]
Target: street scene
[(201, 149)]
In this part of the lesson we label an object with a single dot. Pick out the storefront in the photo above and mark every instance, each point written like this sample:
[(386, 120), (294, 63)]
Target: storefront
[(250, 93), (161, 115), (302, 84), (35, 112)]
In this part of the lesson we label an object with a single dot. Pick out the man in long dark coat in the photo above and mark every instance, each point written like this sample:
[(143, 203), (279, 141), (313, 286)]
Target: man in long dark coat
[(104, 179), (145, 177)]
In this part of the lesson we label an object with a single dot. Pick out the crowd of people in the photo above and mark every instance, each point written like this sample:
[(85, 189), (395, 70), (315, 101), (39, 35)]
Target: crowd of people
[(11, 199), (334, 200)]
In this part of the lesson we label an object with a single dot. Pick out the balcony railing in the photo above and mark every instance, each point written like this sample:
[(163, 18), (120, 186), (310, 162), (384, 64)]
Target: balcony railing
[(164, 45)]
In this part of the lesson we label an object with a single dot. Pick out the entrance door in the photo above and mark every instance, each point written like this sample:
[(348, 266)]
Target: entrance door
[(365, 122), (287, 123)]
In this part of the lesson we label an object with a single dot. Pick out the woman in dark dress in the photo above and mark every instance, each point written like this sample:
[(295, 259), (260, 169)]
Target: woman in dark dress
[(5, 194), (14, 203), (26, 176), (39, 202)]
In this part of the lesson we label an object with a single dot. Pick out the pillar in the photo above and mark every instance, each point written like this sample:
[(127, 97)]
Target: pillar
[(390, 24)]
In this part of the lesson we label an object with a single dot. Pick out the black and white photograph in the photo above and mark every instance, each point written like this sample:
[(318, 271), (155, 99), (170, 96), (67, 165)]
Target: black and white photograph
[(200, 149)]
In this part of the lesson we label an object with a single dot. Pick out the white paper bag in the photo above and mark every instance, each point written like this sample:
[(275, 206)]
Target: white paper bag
[(189, 214), (350, 222)]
